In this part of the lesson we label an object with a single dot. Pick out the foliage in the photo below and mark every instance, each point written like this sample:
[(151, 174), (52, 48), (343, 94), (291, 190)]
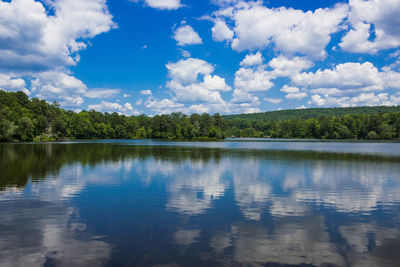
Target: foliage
[(24, 119), (282, 115)]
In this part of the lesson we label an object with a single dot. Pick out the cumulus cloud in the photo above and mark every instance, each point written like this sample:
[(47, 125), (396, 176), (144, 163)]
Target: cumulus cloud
[(195, 89), (362, 99), (186, 35), (187, 71), (191, 81), (164, 106), (221, 31), (38, 43), (273, 100), (287, 30), (163, 4), (253, 80), (293, 93), (283, 66), (59, 86), (374, 26), (110, 107), (215, 83), (12, 83), (194, 93), (343, 78), (145, 92), (255, 77), (66, 89), (103, 93), (31, 39), (349, 84), (252, 60), (243, 97)]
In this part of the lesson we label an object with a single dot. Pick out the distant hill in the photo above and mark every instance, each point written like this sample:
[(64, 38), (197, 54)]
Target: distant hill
[(282, 115)]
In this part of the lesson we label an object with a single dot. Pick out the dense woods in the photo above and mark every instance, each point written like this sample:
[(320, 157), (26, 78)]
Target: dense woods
[(25, 119), (281, 115)]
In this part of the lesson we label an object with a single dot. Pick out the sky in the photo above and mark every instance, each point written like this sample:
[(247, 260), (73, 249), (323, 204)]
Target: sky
[(193, 56)]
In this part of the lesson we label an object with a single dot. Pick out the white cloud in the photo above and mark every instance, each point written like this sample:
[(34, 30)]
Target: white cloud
[(12, 83), (256, 79), (195, 92), (293, 93), (343, 78), (164, 106), (32, 40), (249, 80), (185, 35), (391, 78), (290, 90), (164, 4), (110, 107), (225, 108), (243, 97), (59, 86), (191, 81), (253, 80), (362, 99), (252, 60), (145, 92), (216, 83), (287, 30), (126, 95), (273, 100), (102, 93), (187, 71), (221, 31), (348, 84), (357, 40), (185, 53), (378, 17), (201, 108), (296, 96), (317, 100), (283, 66)]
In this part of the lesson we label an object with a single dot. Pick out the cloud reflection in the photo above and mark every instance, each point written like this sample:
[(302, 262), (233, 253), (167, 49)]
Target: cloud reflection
[(41, 233)]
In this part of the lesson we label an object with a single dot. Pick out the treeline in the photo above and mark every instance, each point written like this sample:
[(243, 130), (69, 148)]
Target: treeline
[(309, 113), (24, 119)]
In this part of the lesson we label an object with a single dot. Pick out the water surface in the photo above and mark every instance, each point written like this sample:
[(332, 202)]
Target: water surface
[(157, 203)]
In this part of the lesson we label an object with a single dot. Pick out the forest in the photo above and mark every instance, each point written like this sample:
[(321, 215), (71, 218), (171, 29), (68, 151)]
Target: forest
[(308, 113), (31, 119)]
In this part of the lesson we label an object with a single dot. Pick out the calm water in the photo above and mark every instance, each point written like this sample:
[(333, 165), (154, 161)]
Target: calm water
[(154, 203)]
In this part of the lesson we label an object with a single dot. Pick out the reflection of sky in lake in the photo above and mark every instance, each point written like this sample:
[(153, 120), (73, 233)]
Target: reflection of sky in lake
[(147, 205)]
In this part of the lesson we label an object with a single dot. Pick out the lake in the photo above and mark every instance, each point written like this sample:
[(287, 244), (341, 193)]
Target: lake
[(250, 202)]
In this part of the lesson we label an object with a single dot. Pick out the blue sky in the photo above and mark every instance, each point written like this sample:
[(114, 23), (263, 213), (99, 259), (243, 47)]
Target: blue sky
[(226, 56)]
